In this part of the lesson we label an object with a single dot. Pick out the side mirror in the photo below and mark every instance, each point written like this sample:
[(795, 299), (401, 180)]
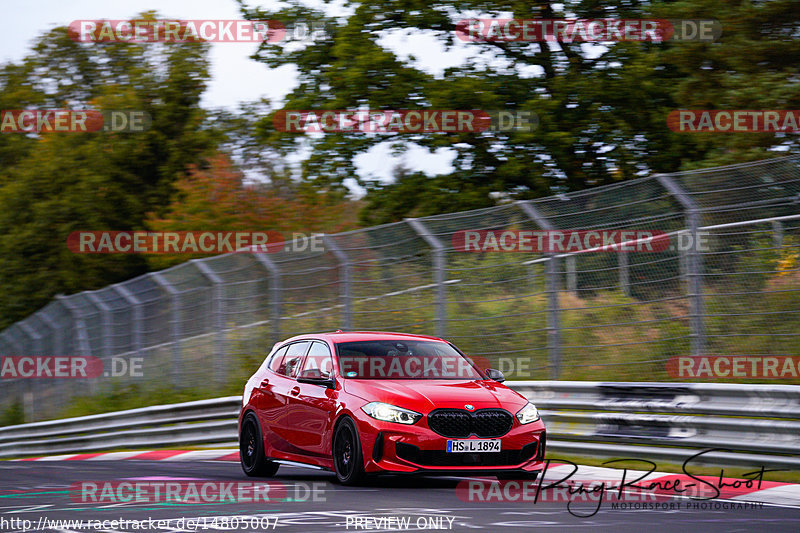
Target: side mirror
[(495, 375), (314, 376)]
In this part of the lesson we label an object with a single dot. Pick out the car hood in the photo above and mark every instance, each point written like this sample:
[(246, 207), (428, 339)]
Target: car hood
[(426, 395)]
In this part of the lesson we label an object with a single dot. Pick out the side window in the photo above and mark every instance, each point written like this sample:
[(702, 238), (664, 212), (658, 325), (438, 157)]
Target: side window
[(293, 359), (277, 359), (319, 358)]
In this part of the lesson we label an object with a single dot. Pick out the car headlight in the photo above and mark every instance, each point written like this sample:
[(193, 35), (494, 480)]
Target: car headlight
[(528, 414), (391, 413)]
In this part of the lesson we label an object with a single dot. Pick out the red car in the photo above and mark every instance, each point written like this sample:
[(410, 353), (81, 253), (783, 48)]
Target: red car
[(364, 403)]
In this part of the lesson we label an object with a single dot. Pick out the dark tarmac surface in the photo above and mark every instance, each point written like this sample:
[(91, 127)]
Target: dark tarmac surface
[(35, 494)]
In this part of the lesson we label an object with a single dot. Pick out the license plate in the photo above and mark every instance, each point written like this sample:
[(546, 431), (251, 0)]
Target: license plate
[(473, 445)]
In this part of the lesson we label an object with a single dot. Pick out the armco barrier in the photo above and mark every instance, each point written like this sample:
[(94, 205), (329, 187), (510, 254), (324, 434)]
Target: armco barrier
[(728, 287), (749, 425)]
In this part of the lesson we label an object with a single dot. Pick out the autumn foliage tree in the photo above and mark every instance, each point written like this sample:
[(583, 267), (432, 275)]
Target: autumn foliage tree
[(54, 183), (219, 198)]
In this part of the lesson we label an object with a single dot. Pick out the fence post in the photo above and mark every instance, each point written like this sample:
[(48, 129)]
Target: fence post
[(80, 325), (683, 259), (105, 321), (275, 293), (28, 402), (693, 263), (217, 304), (59, 348), (13, 342), (777, 233), (572, 278), (6, 384), (175, 329), (439, 274), (35, 336), (7, 340), (138, 320), (345, 276), (58, 335), (551, 282), (624, 274)]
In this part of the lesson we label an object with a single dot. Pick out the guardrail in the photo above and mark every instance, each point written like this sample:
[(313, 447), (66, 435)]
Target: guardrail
[(748, 425), (200, 422)]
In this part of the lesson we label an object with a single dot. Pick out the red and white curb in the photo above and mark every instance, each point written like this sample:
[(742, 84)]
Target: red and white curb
[(769, 492), (224, 454)]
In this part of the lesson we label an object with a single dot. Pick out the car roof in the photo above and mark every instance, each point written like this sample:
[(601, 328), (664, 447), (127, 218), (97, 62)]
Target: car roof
[(340, 336)]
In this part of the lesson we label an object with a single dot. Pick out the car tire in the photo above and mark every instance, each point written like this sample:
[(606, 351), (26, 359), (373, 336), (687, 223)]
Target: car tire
[(251, 450), (518, 476), (348, 461)]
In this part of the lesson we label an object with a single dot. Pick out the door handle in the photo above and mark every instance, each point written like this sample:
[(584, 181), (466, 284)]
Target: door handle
[(295, 391), (264, 384)]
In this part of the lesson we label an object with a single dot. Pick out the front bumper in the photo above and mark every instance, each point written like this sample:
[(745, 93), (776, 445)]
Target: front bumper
[(397, 448)]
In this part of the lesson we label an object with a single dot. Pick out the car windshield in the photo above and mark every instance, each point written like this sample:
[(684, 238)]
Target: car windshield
[(407, 359)]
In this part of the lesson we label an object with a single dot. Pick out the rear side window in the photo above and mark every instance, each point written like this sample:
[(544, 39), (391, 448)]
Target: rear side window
[(290, 365), (319, 358), (277, 359)]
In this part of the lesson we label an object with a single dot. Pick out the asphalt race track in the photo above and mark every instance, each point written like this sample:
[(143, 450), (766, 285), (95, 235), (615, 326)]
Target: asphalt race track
[(39, 492)]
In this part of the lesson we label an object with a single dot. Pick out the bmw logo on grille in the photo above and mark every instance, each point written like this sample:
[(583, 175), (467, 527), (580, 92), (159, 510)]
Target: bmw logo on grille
[(469, 407)]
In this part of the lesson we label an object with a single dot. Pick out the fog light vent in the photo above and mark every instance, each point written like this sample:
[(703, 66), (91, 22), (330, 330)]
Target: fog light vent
[(377, 450)]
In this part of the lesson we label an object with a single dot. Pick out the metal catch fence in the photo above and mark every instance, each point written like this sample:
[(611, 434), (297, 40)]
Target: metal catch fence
[(727, 284)]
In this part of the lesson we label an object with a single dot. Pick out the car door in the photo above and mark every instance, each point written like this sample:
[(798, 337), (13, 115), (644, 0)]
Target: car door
[(312, 408), (262, 396), (284, 387)]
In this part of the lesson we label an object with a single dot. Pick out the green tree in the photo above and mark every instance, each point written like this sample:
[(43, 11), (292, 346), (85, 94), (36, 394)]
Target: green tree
[(602, 111), (754, 65), (54, 183)]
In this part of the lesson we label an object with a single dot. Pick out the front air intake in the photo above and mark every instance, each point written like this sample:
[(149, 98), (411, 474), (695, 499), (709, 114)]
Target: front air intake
[(459, 423)]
